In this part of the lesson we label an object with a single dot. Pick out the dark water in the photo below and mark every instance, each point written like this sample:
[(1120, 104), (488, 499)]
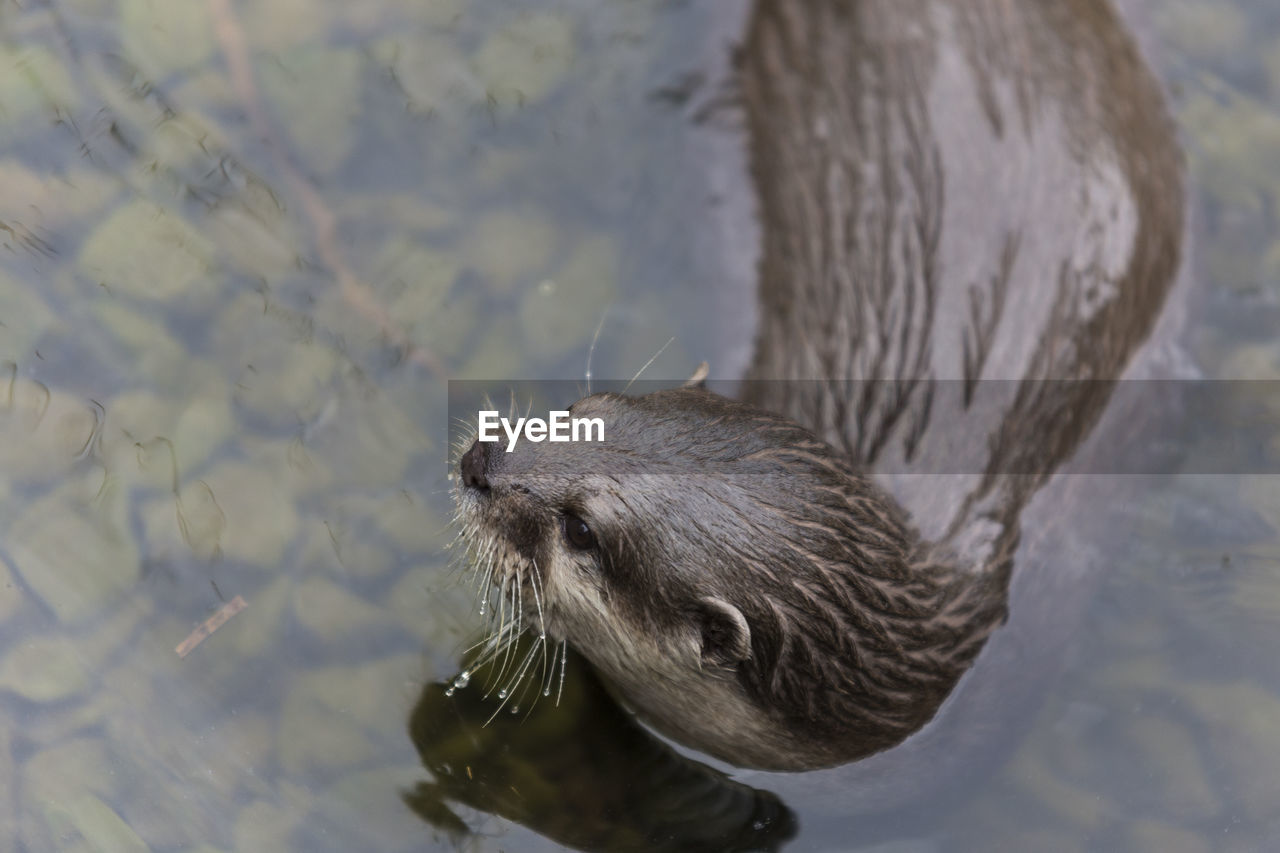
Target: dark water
[(244, 246)]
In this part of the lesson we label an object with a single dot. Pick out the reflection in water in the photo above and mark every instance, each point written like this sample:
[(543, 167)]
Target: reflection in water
[(581, 771)]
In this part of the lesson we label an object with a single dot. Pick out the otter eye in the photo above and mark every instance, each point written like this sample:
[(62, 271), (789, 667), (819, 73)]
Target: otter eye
[(578, 534)]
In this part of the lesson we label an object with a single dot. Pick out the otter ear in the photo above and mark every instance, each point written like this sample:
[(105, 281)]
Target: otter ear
[(726, 637), (699, 377)]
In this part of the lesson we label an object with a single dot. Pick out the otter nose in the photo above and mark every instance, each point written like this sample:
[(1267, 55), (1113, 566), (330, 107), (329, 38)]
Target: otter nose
[(473, 464)]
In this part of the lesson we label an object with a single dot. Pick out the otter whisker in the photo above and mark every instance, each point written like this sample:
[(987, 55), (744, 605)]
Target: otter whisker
[(481, 595), (511, 589), (507, 692), (517, 673), (497, 645), (527, 682), (484, 641), (491, 642), (591, 351), (564, 662), (544, 682), (464, 561), (466, 422), (484, 602), (482, 570), (556, 651), (520, 679), (503, 628), (462, 536), (537, 599), (514, 625), (517, 599), (465, 434), (645, 366), (542, 626), (485, 566)]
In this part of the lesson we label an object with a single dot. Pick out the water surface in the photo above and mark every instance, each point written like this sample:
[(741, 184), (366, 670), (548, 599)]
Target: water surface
[(245, 246)]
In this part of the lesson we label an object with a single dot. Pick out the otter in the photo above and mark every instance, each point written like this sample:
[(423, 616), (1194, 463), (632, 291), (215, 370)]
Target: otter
[(971, 216)]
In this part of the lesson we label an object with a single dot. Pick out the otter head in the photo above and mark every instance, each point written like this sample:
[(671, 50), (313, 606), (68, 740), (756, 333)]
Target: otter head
[(730, 575)]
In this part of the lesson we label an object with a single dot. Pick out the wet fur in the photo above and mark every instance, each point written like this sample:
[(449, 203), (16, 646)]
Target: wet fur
[(854, 630)]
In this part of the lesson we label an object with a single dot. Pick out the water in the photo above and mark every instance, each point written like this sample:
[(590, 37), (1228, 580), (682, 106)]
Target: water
[(245, 244)]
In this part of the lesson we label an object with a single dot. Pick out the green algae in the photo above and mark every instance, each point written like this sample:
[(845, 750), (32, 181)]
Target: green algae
[(144, 251), (191, 522), (336, 716), (367, 439), (32, 79), (375, 795), (525, 61), (1181, 789), (416, 278), (512, 247), (346, 550), (147, 435), (201, 520), (417, 284), (11, 594), (266, 244), (44, 669), (316, 91), (164, 37), (260, 516), (432, 72), (437, 614), (269, 823), (95, 822), (282, 374), (399, 212), (334, 613), (24, 319), (281, 24), (1243, 739), (1078, 807), (260, 626), (407, 518), (148, 344), (1205, 30), (76, 557), (501, 355), (561, 312)]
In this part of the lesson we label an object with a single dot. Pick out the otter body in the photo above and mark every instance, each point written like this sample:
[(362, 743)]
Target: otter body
[(965, 209)]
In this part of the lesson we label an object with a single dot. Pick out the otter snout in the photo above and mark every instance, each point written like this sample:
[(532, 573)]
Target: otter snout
[(474, 466)]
